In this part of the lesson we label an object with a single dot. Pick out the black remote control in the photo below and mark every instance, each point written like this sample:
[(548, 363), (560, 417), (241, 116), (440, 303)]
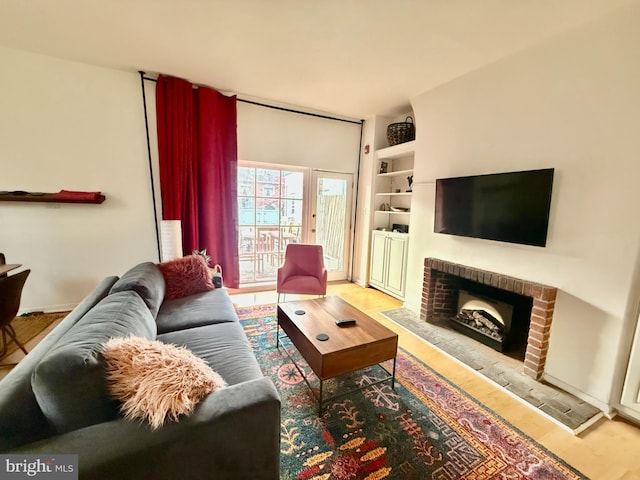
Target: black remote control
[(347, 322)]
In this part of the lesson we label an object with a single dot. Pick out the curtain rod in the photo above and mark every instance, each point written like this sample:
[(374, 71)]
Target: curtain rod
[(328, 117), (153, 189), (356, 190)]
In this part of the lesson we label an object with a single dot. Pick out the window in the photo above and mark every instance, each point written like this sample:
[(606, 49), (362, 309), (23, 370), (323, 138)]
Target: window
[(270, 216)]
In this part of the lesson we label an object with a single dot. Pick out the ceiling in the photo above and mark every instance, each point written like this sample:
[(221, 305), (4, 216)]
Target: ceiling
[(354, 58)]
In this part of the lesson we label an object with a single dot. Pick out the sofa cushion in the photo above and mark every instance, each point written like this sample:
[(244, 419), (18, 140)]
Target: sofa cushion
[(21, 419), (69, 382), (156, 382), (146, 280), (196, 310), (186, 276), (224, 346)]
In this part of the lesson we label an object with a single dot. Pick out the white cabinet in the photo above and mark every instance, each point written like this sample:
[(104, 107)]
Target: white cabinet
[(630, 401), (389, 262), (392, 194)]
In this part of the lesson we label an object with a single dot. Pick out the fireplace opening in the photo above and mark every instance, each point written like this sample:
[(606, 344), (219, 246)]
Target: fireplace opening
[(483, 319), (494, 317)]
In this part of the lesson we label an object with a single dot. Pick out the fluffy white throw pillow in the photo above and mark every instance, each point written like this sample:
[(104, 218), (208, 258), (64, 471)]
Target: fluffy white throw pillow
[(155, 381)]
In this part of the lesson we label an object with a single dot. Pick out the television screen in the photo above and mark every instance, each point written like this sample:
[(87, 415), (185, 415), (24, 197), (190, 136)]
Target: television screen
[(508, 207)]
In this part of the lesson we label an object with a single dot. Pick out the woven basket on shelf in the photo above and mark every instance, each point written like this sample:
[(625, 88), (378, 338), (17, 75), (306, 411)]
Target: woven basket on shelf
[(401, 132)]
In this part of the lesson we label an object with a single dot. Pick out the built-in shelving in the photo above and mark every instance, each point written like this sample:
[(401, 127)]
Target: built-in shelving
[(391, 190), (393, 165)]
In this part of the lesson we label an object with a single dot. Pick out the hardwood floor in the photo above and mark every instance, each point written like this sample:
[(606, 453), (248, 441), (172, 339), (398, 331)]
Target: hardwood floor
[(8, 362), (607, 451), (610, 450)]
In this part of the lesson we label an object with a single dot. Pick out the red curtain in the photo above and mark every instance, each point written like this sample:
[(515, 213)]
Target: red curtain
[(218, 166), (175, 118), (198, 153)]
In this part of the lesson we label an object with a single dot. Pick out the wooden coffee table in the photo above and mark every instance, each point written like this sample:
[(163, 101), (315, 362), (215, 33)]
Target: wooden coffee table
[(346, 350)]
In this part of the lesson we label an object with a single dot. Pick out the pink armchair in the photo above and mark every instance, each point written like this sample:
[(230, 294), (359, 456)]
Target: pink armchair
[(303, 271)]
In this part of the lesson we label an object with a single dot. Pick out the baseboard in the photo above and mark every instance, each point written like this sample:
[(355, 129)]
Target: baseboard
[(605, 408), (63, 307)]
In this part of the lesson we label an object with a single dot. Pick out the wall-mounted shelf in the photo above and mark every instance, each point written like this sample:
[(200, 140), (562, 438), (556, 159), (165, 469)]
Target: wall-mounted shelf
[(397, 151), (396, 173), (390, 212), (68, 197), (395, 194)]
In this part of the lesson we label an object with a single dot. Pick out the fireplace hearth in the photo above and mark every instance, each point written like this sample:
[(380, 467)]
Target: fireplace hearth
[(526, 328)]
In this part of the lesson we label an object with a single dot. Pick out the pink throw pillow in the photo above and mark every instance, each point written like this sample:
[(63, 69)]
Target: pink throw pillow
[(156, 381), (186, 276)]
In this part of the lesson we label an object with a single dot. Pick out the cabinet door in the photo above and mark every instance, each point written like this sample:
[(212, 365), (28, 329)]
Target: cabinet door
[(378, 254), (631, 391), (396, 264)]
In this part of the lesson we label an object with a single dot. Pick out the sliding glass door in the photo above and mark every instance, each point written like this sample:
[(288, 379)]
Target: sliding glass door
[(331, 220), (278, 205)]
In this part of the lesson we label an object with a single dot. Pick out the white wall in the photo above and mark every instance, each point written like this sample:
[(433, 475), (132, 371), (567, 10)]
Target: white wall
[(572, 103), (66, 125)]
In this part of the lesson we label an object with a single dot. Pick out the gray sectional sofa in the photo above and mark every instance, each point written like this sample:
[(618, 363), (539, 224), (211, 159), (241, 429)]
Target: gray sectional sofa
[(55, 400)]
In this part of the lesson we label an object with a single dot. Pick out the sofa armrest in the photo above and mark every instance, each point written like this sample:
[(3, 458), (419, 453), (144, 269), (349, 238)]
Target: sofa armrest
[(234, 433)]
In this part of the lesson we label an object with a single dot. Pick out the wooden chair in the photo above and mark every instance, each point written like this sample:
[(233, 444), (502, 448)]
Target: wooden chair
[(264, 245), (10, 295)]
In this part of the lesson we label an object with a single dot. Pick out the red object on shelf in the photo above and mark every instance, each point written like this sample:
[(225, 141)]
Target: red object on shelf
[(63, 196), (73, 195)]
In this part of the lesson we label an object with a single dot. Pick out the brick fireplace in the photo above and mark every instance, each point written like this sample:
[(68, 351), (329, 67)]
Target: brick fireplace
[(440, 298)]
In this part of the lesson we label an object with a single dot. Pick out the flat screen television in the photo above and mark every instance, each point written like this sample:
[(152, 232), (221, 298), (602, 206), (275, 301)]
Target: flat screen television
[(508, 207)]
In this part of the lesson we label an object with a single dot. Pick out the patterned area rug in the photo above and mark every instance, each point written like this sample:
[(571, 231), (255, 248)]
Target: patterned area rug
[(426, 428)]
